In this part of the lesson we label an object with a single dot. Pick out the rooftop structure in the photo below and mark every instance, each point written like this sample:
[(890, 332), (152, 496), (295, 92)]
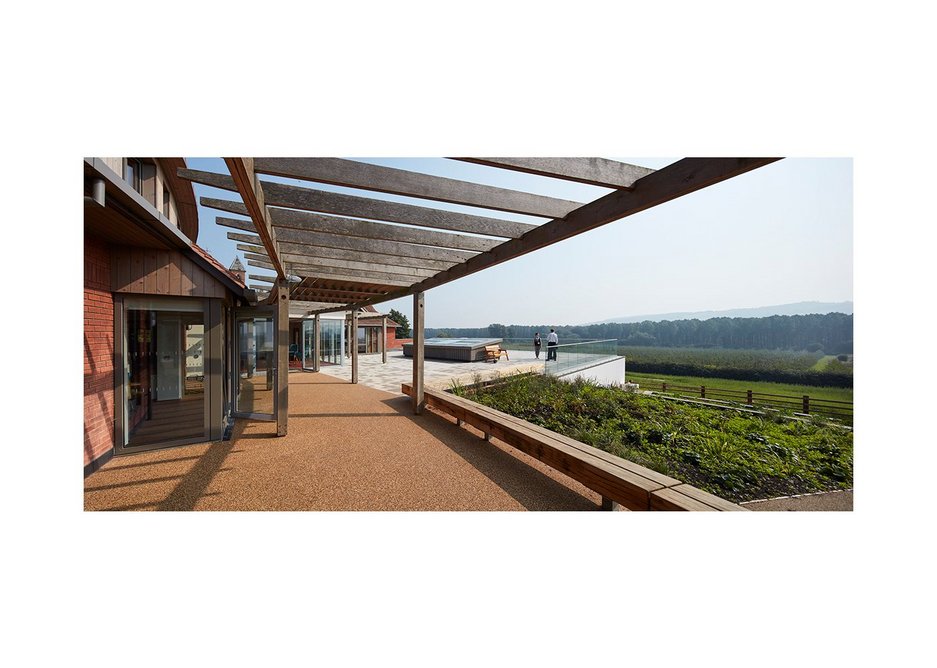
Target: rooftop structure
[(193, 347)]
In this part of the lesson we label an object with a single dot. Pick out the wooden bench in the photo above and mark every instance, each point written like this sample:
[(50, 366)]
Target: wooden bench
[(494, 353), (618, 480)]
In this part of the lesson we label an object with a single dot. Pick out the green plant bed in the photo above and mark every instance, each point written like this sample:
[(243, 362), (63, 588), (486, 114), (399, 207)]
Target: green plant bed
[(736, 456)]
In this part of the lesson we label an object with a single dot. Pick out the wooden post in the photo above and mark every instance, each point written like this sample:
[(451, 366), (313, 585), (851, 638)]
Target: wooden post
[(354, 346), (282, 355), (318, 355), (417, 397), (750, 398), (384, 340), (608, 504), (702, 391), (806, 404), (663, 387)]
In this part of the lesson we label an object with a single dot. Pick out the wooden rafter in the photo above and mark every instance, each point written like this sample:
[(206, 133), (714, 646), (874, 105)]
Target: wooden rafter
[(303, 220), (362, 175), (300, 264), (292, 259), (378, 278), (676, 180), (398, 248), (252, 239), (321, 201), (242, 173), (322, 252), (593, 171)]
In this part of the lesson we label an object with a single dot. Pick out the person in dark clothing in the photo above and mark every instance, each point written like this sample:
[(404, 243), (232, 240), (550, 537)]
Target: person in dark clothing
[(537, 344)]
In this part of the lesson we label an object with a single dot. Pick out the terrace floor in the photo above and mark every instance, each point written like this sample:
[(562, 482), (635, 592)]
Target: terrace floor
[(399, 369), (349, 447)]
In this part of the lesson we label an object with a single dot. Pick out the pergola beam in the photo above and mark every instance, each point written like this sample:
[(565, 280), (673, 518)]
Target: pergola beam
[(679, 179), (328, 298), (242, 173), (676, 180), (315, 261), (349, 173), (260, 250), (397, 248), (290, 225), (345, 254), (322, 252), (264, 279), (321, 201), (299, 263), (593, 171), (252, 239), (334, 274), (313, 222)]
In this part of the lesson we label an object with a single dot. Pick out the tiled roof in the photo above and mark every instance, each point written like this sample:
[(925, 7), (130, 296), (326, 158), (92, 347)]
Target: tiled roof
[(215, 263)]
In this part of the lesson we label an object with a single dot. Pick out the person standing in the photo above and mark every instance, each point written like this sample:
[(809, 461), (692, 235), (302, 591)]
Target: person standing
[(552, 341), (538, 342)]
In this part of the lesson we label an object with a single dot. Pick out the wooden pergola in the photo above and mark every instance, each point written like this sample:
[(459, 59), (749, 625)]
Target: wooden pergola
[(341, 252)]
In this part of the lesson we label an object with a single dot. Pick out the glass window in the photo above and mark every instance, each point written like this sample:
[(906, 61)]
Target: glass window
[(132, 173), (165, 376)]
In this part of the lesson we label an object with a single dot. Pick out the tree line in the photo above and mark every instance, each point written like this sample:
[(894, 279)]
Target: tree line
[(831, 333)]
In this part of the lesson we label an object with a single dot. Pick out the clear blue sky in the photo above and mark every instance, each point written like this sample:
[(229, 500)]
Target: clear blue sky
[(779, 234)]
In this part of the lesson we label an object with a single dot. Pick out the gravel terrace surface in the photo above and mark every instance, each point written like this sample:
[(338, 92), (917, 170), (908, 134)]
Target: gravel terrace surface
[(355, 447), (349, 447), (823, 501)]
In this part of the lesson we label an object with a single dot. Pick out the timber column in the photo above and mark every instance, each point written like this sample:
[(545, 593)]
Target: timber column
[(353, 342), (283, 356), (315, 360), (384, 340), (417, 397)]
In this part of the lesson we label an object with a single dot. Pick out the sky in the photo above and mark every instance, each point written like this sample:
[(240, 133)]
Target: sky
[(779, 234)]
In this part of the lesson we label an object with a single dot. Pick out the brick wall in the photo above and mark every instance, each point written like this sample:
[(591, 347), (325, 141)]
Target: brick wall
[(393, 343), (99, 352)]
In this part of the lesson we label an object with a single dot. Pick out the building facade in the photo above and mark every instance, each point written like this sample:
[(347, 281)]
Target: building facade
[(158, 313)]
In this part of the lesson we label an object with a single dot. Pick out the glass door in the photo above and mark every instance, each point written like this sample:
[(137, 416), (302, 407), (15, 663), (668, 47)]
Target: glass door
[(309, 344), (255, 342), (164, 398)]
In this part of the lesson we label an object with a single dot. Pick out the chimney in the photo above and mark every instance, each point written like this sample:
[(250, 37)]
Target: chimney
[(238, 270)]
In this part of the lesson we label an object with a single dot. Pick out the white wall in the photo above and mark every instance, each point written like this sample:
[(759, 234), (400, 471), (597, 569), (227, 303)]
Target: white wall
[(603, 374)]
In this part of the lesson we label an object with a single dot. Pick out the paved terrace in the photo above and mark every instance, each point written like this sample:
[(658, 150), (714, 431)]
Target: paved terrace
[(349, 447), (437, 373)]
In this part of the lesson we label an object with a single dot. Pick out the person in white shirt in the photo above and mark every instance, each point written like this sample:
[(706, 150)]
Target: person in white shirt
[(552, 341)]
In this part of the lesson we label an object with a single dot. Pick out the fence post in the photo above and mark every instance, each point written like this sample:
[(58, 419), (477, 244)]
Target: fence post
[(749, 397), (702, 391), (663, 387), (806, 404)]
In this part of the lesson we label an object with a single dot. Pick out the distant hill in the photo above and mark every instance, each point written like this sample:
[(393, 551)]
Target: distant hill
[(800, 308)]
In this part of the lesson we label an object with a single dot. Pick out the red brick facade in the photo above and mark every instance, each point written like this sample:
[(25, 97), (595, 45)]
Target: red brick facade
[(99, 351), (393, 343)]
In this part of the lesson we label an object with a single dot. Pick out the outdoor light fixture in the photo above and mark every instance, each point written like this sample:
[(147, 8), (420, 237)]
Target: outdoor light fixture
[(293, 278)]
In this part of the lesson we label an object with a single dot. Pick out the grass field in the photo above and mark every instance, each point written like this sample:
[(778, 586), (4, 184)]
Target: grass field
[(828, 393)]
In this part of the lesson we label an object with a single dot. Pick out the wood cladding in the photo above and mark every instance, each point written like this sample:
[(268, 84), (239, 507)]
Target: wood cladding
[(154, 271)]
